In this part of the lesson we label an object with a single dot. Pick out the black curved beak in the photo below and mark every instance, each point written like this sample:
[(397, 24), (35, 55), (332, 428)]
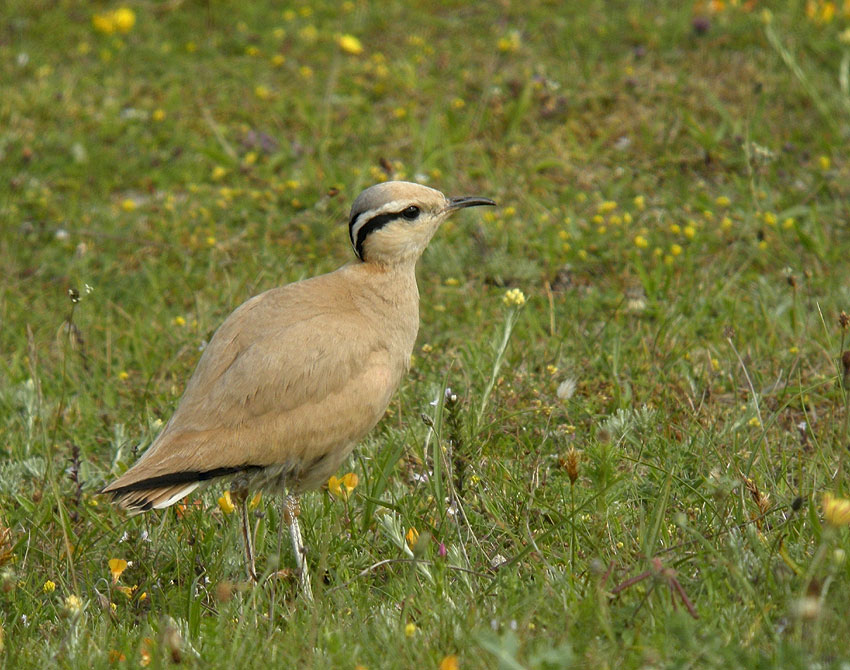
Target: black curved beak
[(469, 201)]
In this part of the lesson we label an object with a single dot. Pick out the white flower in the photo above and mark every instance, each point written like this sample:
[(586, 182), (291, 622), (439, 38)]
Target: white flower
[(566, 389)]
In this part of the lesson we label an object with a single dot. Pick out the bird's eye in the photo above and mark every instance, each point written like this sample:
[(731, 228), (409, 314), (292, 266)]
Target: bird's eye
[(411, 213)]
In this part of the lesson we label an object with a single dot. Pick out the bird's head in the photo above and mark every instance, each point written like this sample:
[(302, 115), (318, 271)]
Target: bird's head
[(391, 223)]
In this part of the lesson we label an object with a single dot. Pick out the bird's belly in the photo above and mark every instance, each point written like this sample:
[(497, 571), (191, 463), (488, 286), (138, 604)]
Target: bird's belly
[(305, 445)]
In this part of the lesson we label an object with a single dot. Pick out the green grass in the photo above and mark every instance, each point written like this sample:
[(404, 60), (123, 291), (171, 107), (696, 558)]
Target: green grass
[(674, 206)]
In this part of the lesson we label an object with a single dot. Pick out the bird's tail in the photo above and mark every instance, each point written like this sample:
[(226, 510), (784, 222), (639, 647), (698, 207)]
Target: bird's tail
[(142, 500)]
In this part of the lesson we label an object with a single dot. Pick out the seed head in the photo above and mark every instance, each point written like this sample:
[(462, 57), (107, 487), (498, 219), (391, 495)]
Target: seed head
[(570, 463)]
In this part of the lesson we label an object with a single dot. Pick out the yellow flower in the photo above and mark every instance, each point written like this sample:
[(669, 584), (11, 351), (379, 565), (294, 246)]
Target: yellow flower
[(350, 45), (262, 92), (827, 12), (722, 201), (128, 205), (675, 249), (255, 501), (179, 321), (225, 504), (158, 115), (278, 60), (824, 162), (606, 206), (410, 629), (836, 511), (123, 375), (127, 590), (49, 586), (788, 223), (342, 488), (641, 242), (514, 298), (754, 422), (510, 42), (640, 202), (104, 23), (725, 223), (770, 218), (689, 231), (116, 567), (124, 19), (449, 663), (350, 481), (412, 537)]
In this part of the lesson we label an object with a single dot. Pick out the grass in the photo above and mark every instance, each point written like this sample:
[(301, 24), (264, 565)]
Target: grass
[(674, 210)]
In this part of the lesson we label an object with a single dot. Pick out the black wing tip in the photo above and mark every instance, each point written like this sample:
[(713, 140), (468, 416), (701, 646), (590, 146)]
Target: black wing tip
[(177, 478)]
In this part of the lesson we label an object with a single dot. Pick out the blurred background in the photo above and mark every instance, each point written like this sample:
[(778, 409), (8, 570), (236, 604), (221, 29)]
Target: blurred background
[(644, 340)]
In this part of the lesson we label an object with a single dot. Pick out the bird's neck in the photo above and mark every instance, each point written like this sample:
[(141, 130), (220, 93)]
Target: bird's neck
[(392, 285), (387, 293)]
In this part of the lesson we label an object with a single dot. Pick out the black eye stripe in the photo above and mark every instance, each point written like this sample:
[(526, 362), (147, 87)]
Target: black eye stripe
[(373, 224), (376, 223)]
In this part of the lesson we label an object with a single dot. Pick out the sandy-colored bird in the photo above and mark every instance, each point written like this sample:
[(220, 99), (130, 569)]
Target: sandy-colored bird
[(297, 375)]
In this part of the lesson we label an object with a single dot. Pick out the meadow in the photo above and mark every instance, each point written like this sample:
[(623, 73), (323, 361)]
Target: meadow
[(624, 439)]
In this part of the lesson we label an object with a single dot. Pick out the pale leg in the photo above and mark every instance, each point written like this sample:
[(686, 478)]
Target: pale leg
[(290, 514), (246, 540)]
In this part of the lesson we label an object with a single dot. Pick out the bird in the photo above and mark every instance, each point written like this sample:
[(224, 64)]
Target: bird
[(296, 376)]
